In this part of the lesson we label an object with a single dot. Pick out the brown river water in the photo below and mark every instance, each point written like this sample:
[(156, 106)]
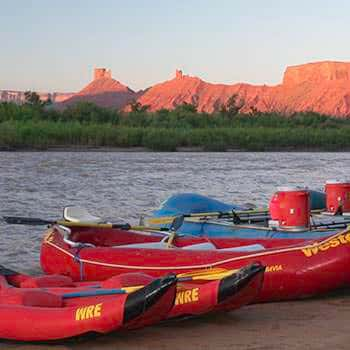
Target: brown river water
[(123, 185)]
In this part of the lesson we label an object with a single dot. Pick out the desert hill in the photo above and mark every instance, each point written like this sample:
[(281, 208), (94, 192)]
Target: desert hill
[(103, 91), (322, 87)]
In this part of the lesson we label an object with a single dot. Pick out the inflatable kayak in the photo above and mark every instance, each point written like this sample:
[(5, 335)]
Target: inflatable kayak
[(294, 269), (54, 307), (207, 291)]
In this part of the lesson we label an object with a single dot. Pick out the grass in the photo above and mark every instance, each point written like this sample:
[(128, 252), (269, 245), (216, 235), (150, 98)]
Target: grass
[(42, 134), (37, 127)]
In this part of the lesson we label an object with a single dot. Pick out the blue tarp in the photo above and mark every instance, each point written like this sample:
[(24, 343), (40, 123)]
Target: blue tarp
[(187, 203)]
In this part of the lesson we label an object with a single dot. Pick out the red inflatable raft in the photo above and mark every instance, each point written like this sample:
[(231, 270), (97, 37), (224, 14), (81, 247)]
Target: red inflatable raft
[(54, 307), (296, 271)]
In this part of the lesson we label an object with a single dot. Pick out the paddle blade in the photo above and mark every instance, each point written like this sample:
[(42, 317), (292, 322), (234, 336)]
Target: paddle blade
[(177, 223), (160, 221), (17, 220)]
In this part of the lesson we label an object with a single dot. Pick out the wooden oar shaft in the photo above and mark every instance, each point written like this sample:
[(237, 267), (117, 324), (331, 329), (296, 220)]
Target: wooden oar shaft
[(205, 275), (169, 219), (17, 220), (93, 225), (108, 226), (237, 212), (93, 293)]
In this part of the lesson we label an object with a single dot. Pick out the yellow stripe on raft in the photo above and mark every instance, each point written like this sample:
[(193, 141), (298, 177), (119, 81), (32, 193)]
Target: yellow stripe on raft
[(203, 275)]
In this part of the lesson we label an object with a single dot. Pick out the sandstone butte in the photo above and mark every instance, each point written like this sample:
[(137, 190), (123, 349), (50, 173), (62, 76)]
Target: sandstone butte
[(322, 87), (104, 91)]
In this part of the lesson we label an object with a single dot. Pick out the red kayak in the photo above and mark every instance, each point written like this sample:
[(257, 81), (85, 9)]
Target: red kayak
[(296, 271), (205, 291), (54, 307)]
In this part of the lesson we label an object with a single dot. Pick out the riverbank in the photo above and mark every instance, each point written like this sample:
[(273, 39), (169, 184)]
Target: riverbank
[(49, 135), (79, 149), (89, 127)]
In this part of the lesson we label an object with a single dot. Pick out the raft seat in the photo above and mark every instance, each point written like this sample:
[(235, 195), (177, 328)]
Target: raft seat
[(78, 214), (211, 246), (51, 281), (148, 245), (208, 246), (30, 297)]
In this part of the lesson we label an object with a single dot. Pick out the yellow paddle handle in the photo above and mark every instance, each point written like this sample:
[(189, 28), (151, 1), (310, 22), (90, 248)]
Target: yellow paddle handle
[(94, 225), (203, 275)]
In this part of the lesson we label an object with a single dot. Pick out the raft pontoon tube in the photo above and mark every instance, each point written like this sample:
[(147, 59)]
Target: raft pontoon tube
[(295, 268), (53, 307)]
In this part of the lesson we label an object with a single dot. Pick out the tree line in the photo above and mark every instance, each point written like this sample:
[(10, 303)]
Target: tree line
[(184, 116), (38, 125)]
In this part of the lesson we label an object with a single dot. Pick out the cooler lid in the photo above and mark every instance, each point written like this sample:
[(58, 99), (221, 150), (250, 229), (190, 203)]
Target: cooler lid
[(290, 189), (337, 182)]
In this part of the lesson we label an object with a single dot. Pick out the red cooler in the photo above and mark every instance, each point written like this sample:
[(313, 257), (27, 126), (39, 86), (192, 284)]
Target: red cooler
[(338, 196), (274, 207), (290, 206)]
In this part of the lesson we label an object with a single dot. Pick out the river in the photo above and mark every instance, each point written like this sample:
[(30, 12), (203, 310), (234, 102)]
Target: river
[(123, 186)]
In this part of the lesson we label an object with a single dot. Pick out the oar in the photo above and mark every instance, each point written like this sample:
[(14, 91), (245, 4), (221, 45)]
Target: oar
[(175, 225), (218, 214), (17, 220), (239, 214), (332, 224), (169, 219), (203, 275), (206, 275), (101, 292), (93, 293)]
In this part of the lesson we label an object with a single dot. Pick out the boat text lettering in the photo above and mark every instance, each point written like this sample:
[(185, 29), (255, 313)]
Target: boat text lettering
[(187, 296), (333, 243), (88, 312), (274, 268)]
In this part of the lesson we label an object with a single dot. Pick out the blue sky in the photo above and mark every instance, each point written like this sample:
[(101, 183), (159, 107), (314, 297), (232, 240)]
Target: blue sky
[(54, 45)]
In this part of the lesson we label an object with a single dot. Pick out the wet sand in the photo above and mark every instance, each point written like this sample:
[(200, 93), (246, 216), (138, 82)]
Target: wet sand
[(321, 323)]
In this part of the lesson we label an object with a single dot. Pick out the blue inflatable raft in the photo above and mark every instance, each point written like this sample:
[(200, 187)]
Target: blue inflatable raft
[(190, 203)]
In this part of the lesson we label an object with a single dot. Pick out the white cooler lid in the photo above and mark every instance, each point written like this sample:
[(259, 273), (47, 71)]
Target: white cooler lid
[(290, 189), (337, 182)]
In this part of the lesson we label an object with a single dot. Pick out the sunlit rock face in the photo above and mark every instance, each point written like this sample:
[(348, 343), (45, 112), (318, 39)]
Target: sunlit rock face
[(103, 91), (206, 96), (322, 87), (319, 72)]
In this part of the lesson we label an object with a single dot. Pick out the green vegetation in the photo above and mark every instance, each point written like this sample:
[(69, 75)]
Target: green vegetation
[(35, 125)]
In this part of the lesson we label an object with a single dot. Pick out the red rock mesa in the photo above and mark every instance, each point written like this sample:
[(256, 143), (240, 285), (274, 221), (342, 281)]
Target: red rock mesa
[(322, 87), (103, 91)]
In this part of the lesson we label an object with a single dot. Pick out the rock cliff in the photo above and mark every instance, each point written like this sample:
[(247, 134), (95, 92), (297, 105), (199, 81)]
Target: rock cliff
[(322, 87), (103, 91)]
